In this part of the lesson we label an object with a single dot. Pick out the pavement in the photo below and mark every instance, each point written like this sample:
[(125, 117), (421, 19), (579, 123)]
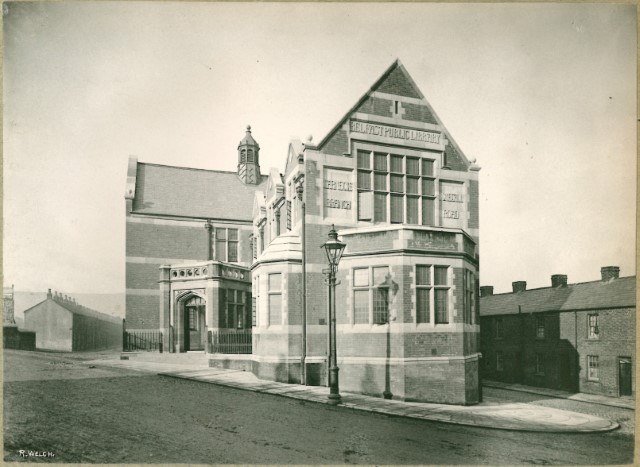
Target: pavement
[(620, 402), (504, 416)]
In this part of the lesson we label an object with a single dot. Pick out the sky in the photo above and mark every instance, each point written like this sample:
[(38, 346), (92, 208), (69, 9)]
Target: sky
[(542, 96)]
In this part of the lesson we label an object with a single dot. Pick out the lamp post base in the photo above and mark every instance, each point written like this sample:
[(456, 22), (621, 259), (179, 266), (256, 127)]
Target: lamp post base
[(335, 399), (334, 387)]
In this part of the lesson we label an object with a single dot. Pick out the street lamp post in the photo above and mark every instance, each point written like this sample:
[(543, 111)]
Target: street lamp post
[(300, 192), (334, 249)]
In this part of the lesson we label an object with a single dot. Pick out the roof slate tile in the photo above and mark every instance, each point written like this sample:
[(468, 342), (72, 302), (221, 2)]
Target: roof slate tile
[(583, 296), (185, 192)]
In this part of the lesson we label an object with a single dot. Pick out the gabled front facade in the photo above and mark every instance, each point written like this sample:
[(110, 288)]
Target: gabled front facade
[(404, 199)]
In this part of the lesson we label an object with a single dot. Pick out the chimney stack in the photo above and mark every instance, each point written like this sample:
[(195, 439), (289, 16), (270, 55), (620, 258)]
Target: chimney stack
[(486, 290), (49, 294), (559, 280), (610, 273), (519, 286)]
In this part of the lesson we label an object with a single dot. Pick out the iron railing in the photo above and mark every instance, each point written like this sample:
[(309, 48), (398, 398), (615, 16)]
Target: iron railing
[(149, 341), (230, 341)]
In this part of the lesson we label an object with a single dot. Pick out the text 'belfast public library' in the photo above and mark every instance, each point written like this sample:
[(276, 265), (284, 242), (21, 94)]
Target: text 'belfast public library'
[(215, 259)]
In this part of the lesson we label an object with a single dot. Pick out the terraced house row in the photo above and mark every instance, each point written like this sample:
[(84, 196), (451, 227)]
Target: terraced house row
[(229, 263), (576, 337)]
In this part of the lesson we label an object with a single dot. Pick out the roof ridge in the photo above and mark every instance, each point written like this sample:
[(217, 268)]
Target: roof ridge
[(191, 168), (561, 287)]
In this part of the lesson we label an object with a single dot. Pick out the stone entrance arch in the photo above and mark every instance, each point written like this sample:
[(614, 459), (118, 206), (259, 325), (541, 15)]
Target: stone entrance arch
[(190, 322)]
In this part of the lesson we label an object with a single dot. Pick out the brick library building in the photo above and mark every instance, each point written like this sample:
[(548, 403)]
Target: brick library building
[(231, 264), (575, 337)]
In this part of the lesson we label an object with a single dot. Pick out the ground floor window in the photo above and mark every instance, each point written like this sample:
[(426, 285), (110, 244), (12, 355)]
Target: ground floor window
[(255, 300), (469, 296), (275, 299), (592, 365), (234, 311), (539, 364), (371, 295), (499, 361), (432, 294)]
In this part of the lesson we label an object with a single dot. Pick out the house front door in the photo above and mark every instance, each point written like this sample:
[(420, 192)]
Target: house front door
[(624, 376)]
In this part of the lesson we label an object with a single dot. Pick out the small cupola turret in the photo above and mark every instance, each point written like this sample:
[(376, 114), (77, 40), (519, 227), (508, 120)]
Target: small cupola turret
[(249, 159)]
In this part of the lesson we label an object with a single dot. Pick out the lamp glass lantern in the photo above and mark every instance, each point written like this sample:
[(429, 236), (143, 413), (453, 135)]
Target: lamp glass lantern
[(334, 248)]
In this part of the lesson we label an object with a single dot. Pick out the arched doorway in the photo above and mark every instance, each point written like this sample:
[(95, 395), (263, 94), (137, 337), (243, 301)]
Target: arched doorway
[(193, 323)]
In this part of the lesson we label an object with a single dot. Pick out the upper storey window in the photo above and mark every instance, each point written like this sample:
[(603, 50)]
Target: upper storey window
[(399, 188), (226, 245)]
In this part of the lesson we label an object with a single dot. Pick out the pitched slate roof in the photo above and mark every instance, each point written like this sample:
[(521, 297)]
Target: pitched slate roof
[(78, 309), (583, 296), (186, 192)]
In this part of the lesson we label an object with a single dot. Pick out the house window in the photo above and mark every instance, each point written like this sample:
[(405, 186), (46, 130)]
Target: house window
[(539, 364), (401, 188), (288, 215), (592, 365), (423, 294), (499, 361), (497, 328), (234, 316), (371, 295), (594, 332), (226, 245), (275, 299), (540, 326)]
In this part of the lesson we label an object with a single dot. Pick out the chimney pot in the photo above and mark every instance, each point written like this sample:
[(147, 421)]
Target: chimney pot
[(559, 280), (519, 286), (610, 273), (486, 290)]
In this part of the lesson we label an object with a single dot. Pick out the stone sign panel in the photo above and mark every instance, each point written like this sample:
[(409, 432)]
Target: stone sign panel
[(338, 193), (453, 204)]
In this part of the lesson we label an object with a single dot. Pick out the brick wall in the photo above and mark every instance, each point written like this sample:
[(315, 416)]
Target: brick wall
[(449, 382), (376, 106), (397, 83), (338, 144), (616, 339), (166, 241), (142, 311), (142, 275), (455, 160), (418, 113), (474, 204)]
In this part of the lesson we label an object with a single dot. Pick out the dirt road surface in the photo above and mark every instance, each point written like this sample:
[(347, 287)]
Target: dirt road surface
[(56, 404)]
